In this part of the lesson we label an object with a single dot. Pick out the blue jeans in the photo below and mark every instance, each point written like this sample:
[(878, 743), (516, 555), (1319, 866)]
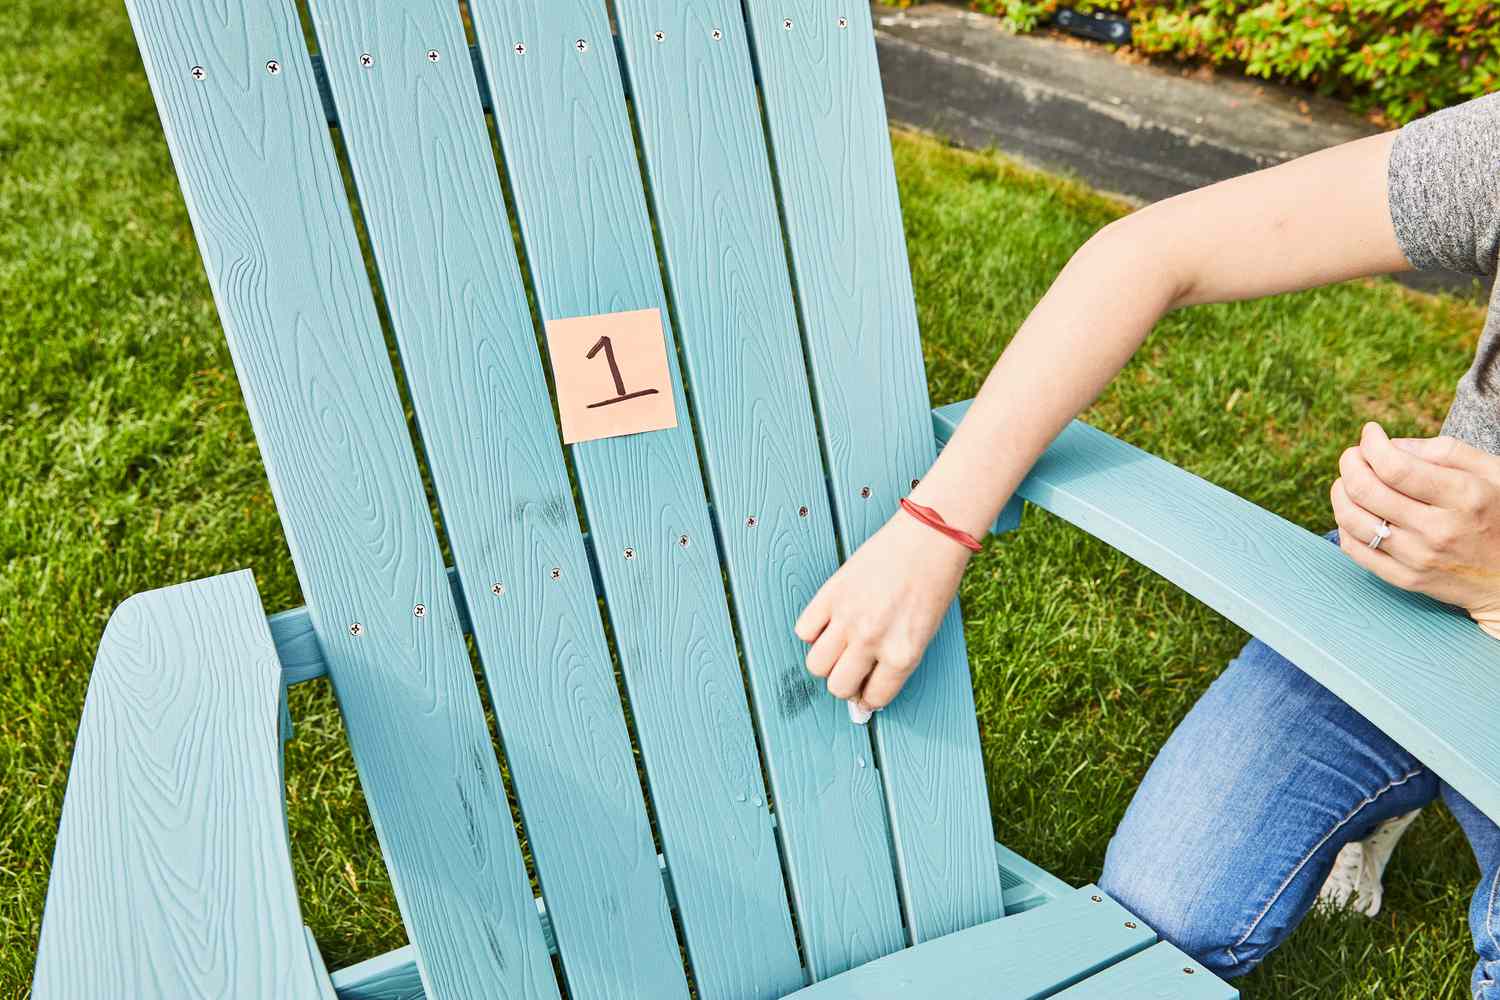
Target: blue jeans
[(1242, 814)]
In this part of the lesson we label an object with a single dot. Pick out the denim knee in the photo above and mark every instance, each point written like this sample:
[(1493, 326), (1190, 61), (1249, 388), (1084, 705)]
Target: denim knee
[(1239, 818), (1152, 881)]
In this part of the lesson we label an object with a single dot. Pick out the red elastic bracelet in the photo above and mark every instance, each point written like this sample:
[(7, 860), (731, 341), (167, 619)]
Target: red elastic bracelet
[(934, 520)]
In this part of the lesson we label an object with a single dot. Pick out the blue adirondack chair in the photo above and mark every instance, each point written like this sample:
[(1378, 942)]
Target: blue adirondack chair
[(874, 874)]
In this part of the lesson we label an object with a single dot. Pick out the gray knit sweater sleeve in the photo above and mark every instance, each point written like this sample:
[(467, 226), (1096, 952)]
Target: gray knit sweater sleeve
[(1444, 188)]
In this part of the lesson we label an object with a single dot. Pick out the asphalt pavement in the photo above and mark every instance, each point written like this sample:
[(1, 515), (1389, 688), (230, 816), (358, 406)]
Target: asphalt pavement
[(1123, 125)]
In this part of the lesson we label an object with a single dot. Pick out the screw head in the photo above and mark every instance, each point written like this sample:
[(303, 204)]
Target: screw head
[(582, 45), (1189, 970), (433, 55), (684, 541), (787, 24), (751, 521), (420, 611), (660, 36), (629, 553), (498, 589), (273, 67), (198, 73), (520, 48), (366, 60), (864, 492), (356, 630), (843, 22), (802, 511), (1130, 924), (556, 573), (716, 35), (1097, 899)]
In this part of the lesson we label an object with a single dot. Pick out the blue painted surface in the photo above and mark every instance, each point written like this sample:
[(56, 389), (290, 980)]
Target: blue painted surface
[(1010, 516), (843, 223), (302, 658), (710, 181), (320, 971), (331, 108), (302, 329), (565, 134), (320, 72), (1420, 671), (157, 888), (393, 976), (267, 202), (1025, 881), (1022, 957), (1161, 972), (297, 640), (432, 202)]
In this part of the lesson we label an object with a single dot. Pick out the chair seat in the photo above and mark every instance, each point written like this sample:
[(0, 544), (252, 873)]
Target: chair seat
[(1081, 946)]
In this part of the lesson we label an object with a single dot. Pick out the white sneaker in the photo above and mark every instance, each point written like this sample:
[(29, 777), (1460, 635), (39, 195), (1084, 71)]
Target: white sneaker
[(1355, 882)]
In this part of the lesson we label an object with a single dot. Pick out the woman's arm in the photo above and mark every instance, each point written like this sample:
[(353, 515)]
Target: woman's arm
[(1314, 221), (1319, 219)]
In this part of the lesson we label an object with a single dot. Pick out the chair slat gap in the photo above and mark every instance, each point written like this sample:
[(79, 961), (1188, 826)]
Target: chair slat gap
[(431, 198), (714, 521), (564, 130), (822, 91), (393, 348), (716, 214), (394, 972), (331, 111), (239, 105)]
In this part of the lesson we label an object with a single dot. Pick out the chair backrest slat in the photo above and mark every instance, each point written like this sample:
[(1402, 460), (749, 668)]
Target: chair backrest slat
[(240, 109), (825, 112), (700, 128), (564, 130), (431, 198), (868, 838)]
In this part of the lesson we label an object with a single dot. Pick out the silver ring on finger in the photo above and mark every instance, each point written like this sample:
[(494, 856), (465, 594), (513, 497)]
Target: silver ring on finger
[(1381, 534)]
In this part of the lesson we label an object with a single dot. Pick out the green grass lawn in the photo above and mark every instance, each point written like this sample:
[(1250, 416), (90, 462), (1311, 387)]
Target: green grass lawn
[(129, 464)]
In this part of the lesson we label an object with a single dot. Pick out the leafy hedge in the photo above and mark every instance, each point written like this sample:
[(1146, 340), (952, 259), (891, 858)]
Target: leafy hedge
[(1402, 58)]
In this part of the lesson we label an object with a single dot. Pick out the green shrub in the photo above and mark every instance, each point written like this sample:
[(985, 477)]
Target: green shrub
[(1401, 58)]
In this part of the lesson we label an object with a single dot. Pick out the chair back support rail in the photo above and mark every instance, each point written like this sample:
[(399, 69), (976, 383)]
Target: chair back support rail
[(810, 414)]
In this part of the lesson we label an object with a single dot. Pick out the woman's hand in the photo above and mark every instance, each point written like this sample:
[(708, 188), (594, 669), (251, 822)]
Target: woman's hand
[(1442, 501), (870, 623)]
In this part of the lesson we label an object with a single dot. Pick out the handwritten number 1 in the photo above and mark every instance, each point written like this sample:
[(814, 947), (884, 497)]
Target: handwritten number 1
[(621, 396), (609, 354)]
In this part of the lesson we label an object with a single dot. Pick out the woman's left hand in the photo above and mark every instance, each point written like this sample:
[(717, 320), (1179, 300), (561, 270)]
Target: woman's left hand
[(1441, 499)]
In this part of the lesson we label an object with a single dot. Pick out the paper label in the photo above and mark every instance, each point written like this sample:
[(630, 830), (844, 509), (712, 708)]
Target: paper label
[(611, 375)]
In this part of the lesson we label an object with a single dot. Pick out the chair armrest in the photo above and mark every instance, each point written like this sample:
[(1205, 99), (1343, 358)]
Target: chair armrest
[(1419, 670), (172, 875)]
